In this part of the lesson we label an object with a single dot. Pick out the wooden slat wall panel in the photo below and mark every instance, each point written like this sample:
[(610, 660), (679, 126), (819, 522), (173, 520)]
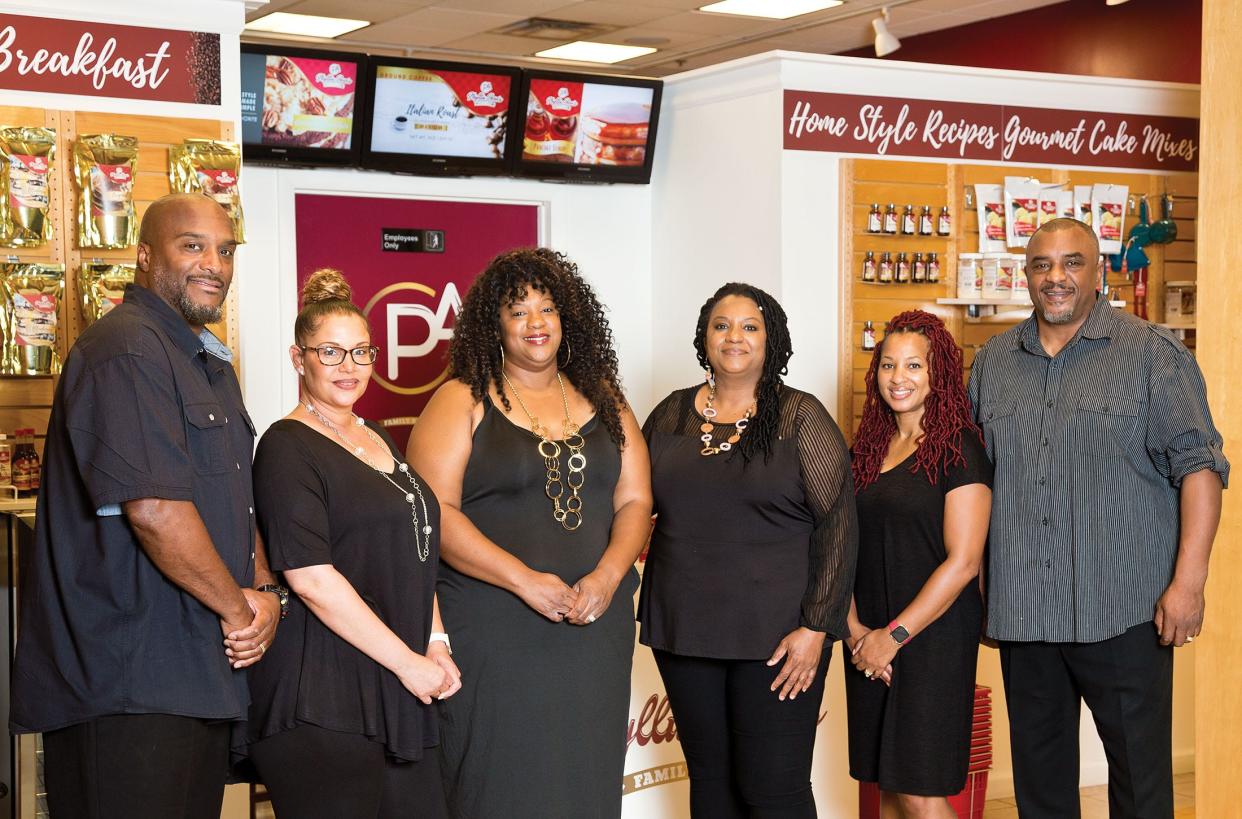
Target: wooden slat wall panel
[(936, 184), (26, 402)]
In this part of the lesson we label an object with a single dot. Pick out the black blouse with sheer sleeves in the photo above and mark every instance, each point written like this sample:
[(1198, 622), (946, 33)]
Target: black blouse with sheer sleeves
[(744, 553)]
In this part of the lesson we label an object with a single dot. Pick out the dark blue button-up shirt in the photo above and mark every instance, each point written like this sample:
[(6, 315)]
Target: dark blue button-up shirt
[(142, 410)]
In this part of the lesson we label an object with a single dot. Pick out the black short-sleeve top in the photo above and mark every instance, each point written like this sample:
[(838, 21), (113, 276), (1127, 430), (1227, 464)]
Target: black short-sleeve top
[(320, 505), (142, 410), (901, 532)]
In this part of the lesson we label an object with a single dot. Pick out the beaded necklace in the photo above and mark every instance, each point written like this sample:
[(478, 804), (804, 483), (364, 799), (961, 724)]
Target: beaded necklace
[(414, 499), (707, 428)]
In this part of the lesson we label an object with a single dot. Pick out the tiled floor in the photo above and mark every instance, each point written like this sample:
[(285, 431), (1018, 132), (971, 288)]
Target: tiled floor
[(1095, 802)]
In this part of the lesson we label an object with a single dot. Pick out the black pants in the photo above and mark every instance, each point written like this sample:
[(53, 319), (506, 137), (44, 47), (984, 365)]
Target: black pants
[(1127, 682), (314, 773), (748, 753), (137, 765)]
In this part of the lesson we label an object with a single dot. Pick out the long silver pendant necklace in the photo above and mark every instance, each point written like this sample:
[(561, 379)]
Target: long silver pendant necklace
[(414, 499)]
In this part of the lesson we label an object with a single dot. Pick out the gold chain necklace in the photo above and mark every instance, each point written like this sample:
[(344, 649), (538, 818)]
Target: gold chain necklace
[(422, 549), (707, 428), (570, 515)]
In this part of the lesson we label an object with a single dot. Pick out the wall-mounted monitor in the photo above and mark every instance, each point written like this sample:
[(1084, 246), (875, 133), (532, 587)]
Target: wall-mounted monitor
[(429, 117), (588, 128), (301, 105)]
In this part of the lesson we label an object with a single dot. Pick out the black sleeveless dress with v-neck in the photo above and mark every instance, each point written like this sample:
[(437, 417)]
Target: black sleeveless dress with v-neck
[(538, 728)]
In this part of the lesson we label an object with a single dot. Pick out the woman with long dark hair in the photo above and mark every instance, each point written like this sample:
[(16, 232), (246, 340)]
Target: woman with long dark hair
[(922, 479), (545, 492), (748, 579)]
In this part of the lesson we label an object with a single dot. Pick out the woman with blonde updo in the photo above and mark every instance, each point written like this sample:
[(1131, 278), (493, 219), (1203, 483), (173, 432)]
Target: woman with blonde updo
[(340, 720)]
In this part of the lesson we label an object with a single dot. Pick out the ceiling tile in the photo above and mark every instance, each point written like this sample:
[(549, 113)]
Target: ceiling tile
[(522, 8), (609, 13), (500, 44), (676, 39), (274, 5)]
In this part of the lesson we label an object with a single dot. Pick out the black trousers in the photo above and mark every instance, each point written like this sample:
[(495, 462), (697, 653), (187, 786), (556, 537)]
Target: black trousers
[(1127, 682), (748, 753), (314, 773), (137, 765)]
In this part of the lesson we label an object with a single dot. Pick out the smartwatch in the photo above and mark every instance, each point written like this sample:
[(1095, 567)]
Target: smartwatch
[(898, 632), (282, 594), (440, 636)]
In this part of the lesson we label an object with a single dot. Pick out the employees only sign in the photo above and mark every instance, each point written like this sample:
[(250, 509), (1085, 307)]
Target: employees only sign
[(888, 126)]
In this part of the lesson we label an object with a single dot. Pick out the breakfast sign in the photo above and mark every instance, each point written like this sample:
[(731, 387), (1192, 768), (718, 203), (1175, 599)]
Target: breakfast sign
[(890, 126), (55, 56)]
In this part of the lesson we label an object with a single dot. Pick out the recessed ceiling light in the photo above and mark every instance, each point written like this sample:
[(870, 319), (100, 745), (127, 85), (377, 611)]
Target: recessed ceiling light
[(776, 9), (306, 25), (586, 52)]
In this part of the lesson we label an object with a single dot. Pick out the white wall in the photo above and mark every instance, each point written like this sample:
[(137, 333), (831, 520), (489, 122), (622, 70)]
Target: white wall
[(604, 228)]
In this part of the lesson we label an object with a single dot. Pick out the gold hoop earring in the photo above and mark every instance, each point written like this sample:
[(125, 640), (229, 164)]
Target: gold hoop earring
[(569, 357)]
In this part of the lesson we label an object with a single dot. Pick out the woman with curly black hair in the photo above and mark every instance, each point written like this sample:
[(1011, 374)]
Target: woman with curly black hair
[(545, 491), (748, 579)]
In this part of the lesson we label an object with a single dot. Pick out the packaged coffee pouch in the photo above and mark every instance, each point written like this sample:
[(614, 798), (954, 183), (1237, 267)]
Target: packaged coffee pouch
[(1021, 209), (102, 285), (1108, 205), (31, 295), (103, 167), (1065, 204), (1050, 202), (211, 167), (990, 204), (1082, 204), (27, 155)]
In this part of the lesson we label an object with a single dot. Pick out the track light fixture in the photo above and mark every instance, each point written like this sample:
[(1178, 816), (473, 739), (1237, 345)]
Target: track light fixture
[(885, 42)]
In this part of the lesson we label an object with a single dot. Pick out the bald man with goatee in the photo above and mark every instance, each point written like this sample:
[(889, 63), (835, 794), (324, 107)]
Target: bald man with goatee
[(147, 591)]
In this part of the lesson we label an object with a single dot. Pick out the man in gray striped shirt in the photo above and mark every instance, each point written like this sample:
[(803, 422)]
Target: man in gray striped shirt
[(1107, 495)]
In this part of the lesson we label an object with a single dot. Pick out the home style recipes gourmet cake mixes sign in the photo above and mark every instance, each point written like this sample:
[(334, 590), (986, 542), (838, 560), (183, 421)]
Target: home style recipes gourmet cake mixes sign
[(889, 126), (54, 56)]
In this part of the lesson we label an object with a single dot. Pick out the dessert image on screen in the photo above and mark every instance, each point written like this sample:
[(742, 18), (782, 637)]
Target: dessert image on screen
[(307, 102), (614, 134)]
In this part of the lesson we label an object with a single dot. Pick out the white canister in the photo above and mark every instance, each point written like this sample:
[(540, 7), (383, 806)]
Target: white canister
[(993, 286), (969, 276), (1013, 266)]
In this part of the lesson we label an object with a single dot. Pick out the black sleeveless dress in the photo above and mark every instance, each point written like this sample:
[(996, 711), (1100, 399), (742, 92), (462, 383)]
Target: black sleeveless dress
[(538, 728)]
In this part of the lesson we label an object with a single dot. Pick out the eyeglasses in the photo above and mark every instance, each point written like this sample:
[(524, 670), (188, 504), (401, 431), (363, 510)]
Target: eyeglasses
[(330, 355)]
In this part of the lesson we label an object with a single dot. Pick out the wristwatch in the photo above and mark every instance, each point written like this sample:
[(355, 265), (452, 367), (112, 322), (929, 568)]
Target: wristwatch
[(441, 637), (282, 594), (898, 632)]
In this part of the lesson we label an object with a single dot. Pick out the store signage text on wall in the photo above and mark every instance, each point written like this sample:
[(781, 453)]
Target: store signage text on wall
[(889, 126), (55, 56)]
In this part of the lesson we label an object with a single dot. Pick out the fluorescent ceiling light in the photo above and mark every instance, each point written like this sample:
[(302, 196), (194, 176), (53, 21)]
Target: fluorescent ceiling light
[(306, 25), (776, 9), (586, 52)]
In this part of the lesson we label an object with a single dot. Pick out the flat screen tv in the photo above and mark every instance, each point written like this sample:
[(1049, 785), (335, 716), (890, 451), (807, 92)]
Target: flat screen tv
[(300, 105), (588, 128), (439, 118)]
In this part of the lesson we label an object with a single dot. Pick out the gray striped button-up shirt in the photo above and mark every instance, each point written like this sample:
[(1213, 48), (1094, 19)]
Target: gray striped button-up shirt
[(1090, 449)]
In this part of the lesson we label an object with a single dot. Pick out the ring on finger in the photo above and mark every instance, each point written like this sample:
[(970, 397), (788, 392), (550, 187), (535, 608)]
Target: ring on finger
[(591, 619), (868, 674), (262, 648)]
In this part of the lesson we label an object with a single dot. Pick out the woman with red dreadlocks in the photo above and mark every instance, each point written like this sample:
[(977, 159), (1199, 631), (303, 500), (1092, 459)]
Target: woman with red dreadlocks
[(922, 481)]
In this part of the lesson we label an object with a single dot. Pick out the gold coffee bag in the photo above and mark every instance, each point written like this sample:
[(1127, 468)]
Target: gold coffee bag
[(211, 167), (32, 295), (102, 285), (103, 167), (27, 155)]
